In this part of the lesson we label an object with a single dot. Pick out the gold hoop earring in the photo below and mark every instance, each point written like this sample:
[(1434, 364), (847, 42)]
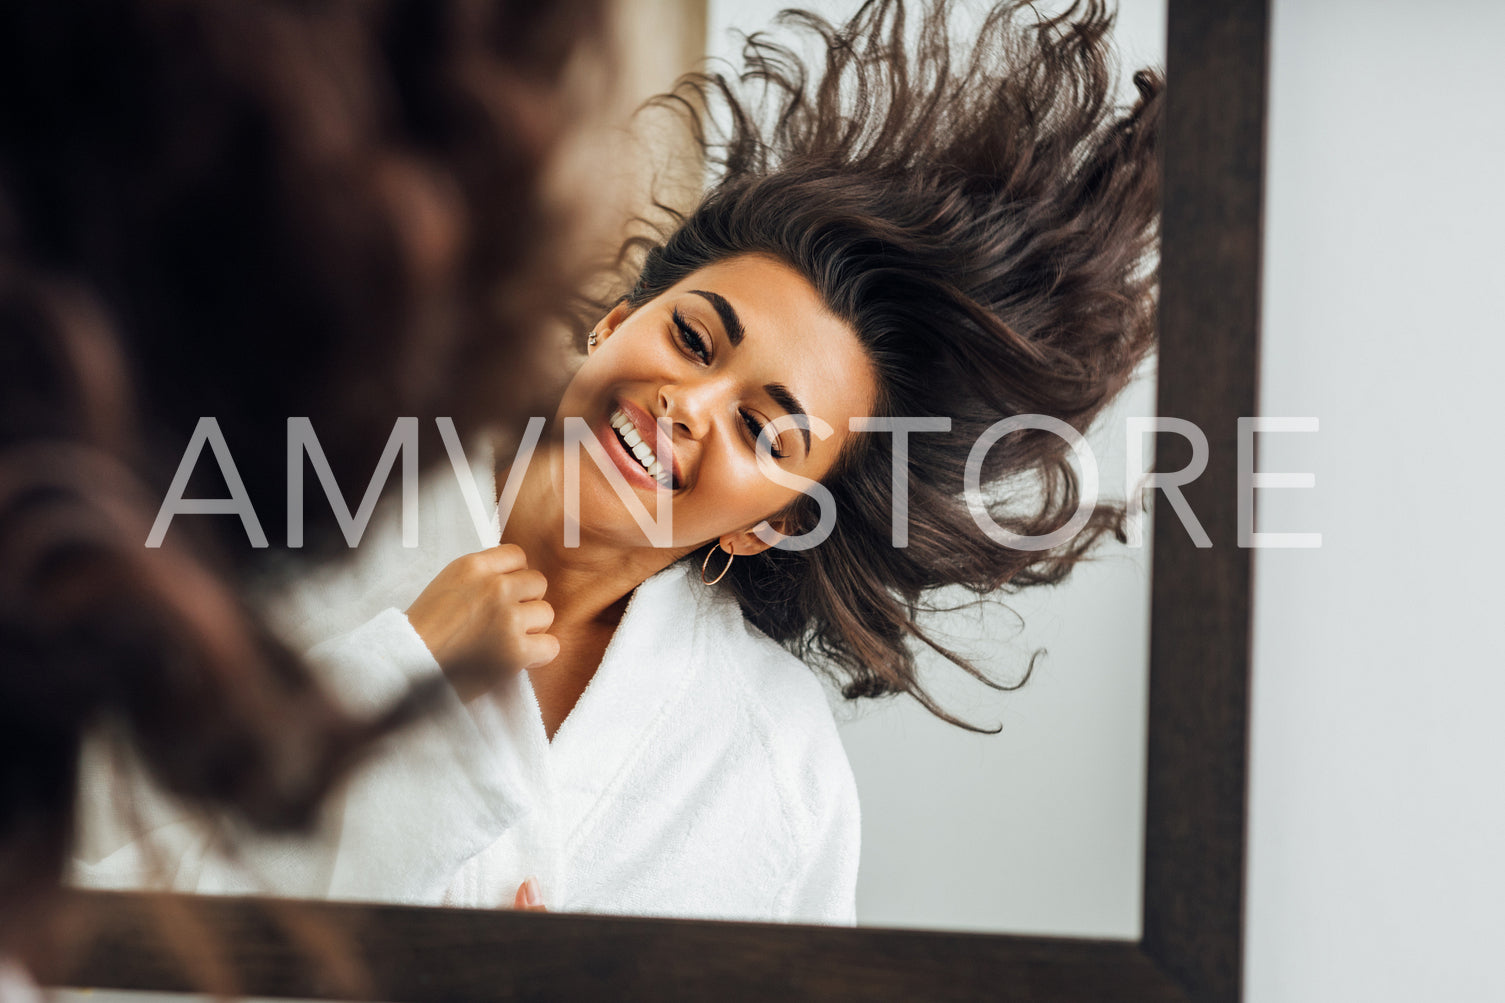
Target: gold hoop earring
[(705, 565)]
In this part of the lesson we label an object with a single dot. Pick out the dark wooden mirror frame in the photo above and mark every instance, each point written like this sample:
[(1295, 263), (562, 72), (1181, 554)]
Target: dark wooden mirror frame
[(1191, 948)]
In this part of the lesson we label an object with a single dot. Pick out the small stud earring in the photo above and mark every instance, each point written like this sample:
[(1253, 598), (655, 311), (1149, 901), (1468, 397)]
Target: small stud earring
[(591, 339)]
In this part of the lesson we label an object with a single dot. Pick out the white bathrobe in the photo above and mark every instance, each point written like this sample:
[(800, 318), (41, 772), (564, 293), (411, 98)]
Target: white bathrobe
[(699, 775)]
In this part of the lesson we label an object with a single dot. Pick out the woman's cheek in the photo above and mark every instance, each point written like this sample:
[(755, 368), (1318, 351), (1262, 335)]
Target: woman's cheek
[(758, 495)]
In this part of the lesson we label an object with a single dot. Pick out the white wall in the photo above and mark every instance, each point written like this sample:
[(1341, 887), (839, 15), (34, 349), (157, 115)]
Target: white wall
[(1377, 814), (1038, 829)]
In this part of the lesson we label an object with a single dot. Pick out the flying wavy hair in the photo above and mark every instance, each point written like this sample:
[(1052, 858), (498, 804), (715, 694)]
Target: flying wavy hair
[(985, 217)]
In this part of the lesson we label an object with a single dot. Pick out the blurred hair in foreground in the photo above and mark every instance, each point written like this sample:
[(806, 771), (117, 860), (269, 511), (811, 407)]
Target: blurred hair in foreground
[(251, 210)]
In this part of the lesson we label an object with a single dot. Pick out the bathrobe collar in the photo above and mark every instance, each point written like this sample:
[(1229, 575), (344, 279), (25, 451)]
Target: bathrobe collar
[(658, 648), (652, 657)]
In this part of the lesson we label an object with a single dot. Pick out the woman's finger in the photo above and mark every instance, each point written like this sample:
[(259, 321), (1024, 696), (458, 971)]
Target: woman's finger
[(499, 560), (528, 897), (525, 584), (535, 616), (535, 650)]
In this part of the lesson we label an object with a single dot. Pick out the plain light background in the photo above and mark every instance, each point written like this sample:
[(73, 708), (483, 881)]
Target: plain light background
[(1377, 808), (1038, 829)]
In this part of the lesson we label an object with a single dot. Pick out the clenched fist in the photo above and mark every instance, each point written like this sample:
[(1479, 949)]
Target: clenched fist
[(483, 617)]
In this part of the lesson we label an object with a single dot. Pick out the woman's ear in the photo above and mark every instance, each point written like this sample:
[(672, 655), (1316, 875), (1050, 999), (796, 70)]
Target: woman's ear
[(606, 325), (748, 542)]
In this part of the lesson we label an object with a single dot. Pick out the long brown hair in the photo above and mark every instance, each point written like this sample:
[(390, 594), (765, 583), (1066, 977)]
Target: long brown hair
[(254, 211), (986, 220)]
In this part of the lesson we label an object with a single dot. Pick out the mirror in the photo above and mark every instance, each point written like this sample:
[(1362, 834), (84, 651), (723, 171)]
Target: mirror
[(1189, 946), (1038, 829)]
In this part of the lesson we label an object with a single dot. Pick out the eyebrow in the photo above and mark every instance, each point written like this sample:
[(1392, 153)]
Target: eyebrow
[(790, 403), (727, 313)]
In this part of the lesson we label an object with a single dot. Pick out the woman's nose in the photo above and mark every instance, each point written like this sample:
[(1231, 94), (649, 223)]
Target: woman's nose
[(688, 407)]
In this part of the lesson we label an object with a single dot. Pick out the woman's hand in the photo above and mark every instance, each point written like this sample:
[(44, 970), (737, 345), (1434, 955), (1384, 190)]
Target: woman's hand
[(483, 617)]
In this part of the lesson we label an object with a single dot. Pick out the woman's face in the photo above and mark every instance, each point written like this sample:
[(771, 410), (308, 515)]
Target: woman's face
[(731, 348)]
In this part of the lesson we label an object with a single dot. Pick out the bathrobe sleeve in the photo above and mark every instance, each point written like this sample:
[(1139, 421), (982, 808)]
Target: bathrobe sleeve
[(424, 802), (435, 795)]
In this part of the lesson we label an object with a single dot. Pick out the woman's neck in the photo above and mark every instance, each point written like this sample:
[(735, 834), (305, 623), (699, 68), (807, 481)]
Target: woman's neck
[(588, 584), (588, 587)]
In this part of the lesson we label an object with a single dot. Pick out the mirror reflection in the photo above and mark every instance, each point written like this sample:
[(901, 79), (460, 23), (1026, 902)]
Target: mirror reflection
[(804, 601)]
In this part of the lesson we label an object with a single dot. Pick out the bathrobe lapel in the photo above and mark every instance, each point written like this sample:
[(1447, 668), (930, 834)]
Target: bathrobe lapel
[(648, 665)]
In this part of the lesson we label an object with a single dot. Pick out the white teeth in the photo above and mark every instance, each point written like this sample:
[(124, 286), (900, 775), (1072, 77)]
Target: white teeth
[(640, 448)]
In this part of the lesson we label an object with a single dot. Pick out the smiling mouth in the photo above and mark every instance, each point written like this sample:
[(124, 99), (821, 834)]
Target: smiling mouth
[(637, 446)]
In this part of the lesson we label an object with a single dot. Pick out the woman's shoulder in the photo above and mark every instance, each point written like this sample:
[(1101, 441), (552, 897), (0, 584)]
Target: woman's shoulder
[(735, 663), (775, 678), (787, 703), (789, 710)]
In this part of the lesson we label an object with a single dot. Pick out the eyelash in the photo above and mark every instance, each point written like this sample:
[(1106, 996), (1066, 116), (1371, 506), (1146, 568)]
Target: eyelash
[(753, 426), (696, 346), (691, 338)]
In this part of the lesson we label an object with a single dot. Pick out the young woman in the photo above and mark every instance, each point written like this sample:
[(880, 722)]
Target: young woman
[(909, 234)]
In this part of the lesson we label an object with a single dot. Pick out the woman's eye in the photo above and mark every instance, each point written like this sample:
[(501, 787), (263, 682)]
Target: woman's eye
[(691, 338), (756, 428)]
